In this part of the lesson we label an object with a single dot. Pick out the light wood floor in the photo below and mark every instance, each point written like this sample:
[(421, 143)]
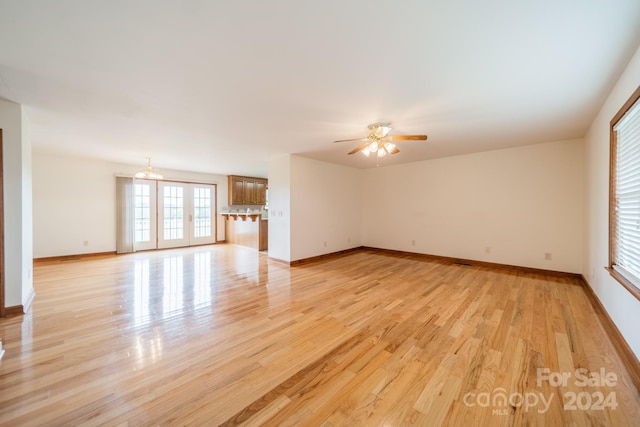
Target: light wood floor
[(220, 335)]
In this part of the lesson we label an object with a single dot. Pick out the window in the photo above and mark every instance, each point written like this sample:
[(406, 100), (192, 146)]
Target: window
[(624, 196), (142, 205)]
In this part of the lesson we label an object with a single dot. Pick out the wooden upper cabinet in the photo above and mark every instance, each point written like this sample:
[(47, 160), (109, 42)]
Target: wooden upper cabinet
[(249, 192), (236, 190), (245, 190), (261, 191)]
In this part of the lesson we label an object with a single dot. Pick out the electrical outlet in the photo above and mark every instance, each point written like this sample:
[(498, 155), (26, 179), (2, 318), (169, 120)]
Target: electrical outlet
[(413, 243), (487, 250), (85, 243), (547, 256), (325, 244)]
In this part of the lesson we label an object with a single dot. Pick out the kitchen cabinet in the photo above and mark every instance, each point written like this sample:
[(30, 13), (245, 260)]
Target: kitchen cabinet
[(261, 191), (249, 192), (245, 190), (236, 190)]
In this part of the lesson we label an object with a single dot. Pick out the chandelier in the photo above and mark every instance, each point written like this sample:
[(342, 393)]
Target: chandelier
[(148, 172)]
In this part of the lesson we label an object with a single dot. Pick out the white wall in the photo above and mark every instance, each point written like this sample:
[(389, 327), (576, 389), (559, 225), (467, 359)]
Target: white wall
[(280, 208), (622, 307), (520, 202), (17, 203), (27, 214), (74, 202), (326, 207)]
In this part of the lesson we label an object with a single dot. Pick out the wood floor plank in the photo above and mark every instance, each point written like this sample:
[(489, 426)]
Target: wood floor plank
[(220, 335)]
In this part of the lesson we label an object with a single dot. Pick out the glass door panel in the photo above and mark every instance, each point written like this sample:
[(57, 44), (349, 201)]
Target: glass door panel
[(172, 211), (145, 215), (202, 229)]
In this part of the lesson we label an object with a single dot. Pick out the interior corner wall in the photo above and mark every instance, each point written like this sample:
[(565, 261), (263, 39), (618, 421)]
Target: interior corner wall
[(18, 239), (326, 207), (27, 214), (620, 304), (509, 206), (280, 208), (74, 202)]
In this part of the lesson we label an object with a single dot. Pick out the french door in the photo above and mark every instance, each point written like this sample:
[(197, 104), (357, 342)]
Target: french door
[(172, 215), (185, 214)]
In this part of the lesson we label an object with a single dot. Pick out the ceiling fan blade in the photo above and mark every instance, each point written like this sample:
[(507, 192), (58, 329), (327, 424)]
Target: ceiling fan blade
[(351, 140), (407, 137), (395, 150), (359, 148)]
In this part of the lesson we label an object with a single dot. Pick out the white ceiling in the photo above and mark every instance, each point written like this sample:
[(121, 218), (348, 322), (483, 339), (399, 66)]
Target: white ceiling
[(223, 86)]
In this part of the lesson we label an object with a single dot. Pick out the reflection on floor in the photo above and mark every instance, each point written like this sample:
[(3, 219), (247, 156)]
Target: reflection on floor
[(189, 279)]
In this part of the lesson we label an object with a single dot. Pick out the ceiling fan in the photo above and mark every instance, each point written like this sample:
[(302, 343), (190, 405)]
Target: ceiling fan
[(379, 141)]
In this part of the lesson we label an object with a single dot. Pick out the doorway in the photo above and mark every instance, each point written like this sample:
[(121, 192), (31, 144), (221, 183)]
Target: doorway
[(172, 214)]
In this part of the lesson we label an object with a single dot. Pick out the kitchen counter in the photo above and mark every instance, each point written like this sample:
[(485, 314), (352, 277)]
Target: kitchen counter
[(244, 215), (247, 229)]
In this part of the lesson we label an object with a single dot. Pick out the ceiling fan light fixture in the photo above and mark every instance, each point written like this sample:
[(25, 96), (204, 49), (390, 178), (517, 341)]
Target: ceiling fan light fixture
[(378, 141), (384, 130)]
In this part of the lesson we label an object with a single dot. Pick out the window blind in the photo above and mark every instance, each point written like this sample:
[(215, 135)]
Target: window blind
[(124, 215), (627, 195)]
